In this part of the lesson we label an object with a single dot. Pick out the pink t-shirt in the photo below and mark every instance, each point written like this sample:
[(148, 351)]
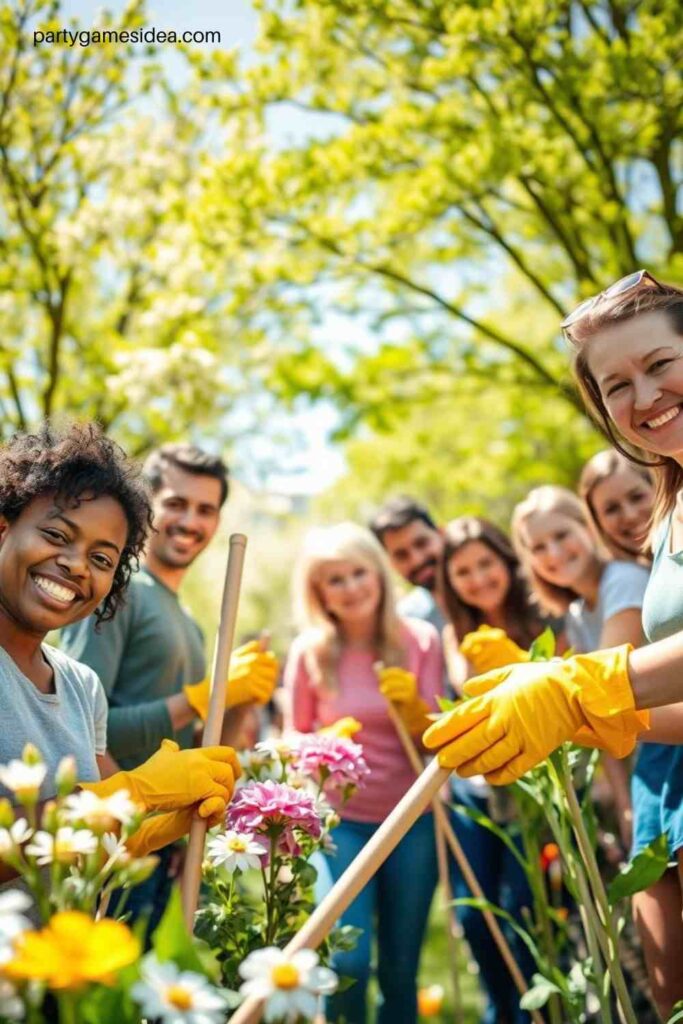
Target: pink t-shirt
[(310, 707)]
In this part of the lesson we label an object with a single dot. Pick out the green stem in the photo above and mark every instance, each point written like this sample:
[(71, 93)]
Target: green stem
[(591, 929), (67, 1008), (532, 854), (611, 946)]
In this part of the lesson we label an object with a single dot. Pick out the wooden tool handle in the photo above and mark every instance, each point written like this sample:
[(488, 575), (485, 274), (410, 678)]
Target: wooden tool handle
[(214, 721)]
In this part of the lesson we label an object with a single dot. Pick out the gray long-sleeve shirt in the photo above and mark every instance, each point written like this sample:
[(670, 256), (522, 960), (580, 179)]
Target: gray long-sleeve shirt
[(145, 654)]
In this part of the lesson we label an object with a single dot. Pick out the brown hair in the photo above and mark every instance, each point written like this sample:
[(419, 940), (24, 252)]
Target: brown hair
[(599, 468), (652, 298), (523, 620), (549, 498)]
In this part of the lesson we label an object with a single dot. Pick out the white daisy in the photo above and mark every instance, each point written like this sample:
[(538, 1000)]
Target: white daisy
[(11, 838), (65, 847), (12, 920), (177, 997), (233, 850), (290, 985), (101, 814), (24, 780), (11, 1005), (115, 849), (66, 774)]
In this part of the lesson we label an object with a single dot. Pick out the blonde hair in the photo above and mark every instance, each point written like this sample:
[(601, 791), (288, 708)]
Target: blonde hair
[(549, 498), (322, 636), (598, 469)]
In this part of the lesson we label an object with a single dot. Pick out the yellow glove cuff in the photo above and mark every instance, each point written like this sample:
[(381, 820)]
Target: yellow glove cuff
[(606, 701), (197, 695)]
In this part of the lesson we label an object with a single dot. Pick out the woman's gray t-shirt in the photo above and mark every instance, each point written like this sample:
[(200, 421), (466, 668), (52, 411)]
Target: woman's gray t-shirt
[(622, 586), (72, 720)]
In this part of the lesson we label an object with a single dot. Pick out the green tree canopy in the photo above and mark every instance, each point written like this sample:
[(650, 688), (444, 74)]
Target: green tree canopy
[(464, 160)]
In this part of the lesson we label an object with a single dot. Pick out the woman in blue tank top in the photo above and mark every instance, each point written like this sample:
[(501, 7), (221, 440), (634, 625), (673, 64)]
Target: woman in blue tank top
[(628, 344)]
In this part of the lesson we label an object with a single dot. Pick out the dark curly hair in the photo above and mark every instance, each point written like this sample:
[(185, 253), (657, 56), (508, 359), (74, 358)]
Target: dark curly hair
[(72, 462)]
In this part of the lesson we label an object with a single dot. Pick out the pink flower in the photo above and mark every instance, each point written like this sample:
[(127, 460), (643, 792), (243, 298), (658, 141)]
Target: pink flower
[(334, 762), (276, 810)]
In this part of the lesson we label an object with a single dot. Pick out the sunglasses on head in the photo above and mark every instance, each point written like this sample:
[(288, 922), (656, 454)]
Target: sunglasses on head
[(620, 287)]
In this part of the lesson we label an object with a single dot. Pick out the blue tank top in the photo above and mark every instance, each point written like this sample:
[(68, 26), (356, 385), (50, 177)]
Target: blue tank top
[(663, 604)]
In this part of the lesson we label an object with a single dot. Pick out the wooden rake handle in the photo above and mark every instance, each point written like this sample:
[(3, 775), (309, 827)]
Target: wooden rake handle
[(214, 721)]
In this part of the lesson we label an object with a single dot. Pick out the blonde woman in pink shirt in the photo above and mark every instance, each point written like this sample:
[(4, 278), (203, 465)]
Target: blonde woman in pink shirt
[(346, 609)]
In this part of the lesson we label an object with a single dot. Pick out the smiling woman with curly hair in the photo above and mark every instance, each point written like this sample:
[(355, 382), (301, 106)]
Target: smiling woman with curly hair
[(74, 465), (74, 516)]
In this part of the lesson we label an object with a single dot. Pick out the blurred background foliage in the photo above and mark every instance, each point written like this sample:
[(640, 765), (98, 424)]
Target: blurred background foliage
[(468, 172)]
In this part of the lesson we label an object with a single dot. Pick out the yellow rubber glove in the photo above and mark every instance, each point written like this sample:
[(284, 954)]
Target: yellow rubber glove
[(159, 830), (173, 779), (400, 687), (488, 648), (251, 680), (346, 728), (519, 715)]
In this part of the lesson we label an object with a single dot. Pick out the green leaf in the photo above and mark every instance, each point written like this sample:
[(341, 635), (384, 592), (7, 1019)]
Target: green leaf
[(445, 704), (540, 992), (645, 869), (677, 1015), (172, 941), (543, 647), (482, 819)]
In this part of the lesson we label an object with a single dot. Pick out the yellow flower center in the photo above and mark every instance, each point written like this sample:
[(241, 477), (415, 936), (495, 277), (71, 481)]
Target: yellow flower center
[(238, 845), (64, 853), (179, 997), (285, 976)]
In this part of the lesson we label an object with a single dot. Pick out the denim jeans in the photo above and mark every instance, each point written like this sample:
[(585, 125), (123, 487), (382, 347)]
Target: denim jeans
[(394, 907), (504, 884)]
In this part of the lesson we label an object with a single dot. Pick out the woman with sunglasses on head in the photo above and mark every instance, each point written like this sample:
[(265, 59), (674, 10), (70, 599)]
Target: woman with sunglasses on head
[(345, 604), (74, 516), (628, 361), (490, 611)]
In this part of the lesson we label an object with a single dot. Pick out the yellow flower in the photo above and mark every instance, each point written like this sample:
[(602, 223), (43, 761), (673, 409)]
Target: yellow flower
[(73, 950), (430, 1000)]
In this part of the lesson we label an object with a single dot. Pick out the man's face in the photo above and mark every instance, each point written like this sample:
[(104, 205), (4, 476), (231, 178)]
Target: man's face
[(415, 551), (186, 514)]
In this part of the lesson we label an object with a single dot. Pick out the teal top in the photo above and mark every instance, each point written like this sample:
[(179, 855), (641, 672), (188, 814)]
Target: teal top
[(663, 604), (145, 654)]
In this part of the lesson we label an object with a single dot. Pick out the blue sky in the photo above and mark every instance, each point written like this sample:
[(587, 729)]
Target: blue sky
[(315, 463)]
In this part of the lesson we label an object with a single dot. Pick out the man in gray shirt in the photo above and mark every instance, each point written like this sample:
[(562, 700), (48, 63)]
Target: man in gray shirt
[(151, 655), (414, 544)]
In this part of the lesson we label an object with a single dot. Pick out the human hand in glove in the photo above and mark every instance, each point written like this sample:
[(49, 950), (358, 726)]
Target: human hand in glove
[(173, 779), (399, 686), (488, 648), (520, 714), (251, 680), (346, 728)]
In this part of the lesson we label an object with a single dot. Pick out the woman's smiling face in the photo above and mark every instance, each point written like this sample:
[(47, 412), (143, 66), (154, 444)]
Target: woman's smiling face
[(57, 564), (561, 551), (638, 367)]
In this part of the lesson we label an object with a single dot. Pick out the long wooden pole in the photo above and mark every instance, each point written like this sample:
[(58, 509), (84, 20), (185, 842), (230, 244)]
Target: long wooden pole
[(463, 863), (214, 721), (359, 872)]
